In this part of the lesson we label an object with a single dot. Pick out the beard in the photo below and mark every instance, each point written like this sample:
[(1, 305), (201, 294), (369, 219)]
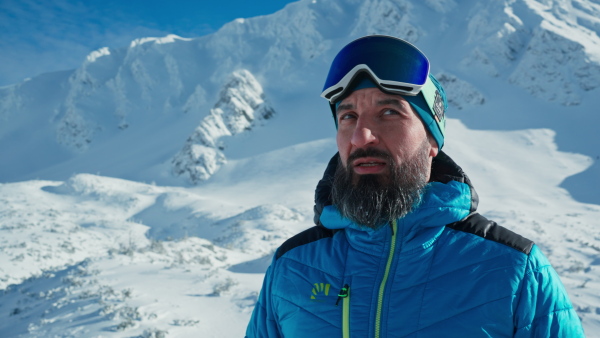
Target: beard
[(375, 199)]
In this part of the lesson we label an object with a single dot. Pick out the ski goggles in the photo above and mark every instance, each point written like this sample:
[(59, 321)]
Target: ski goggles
[(395, 65)]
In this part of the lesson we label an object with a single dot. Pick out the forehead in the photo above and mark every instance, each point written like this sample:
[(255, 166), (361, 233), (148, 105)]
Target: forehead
[(368, 92), (369, 96)]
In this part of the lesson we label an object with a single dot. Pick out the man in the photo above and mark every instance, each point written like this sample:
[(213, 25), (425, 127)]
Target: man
[(399, 249)]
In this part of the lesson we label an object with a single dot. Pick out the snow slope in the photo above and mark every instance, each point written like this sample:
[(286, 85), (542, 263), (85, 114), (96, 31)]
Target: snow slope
[(144, 192)]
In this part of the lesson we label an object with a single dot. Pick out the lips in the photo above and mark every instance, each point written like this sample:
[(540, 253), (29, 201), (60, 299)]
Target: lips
[(369, 165)]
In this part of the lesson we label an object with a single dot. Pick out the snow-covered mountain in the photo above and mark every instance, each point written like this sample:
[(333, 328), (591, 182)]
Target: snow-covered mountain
[(144, 192), (240, 108)]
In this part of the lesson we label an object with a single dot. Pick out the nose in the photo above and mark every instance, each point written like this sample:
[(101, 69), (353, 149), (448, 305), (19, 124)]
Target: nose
[(364, 136)]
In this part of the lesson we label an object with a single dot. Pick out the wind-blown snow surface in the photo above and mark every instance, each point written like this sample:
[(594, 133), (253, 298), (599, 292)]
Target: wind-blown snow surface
[(88, 248)]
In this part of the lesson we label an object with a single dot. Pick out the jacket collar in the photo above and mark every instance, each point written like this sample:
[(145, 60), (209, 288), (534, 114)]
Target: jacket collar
[(448, 198), (443, 170), (441, 204)]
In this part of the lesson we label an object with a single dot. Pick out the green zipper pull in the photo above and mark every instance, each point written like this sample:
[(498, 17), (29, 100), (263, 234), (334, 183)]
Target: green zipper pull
[(343, 294)]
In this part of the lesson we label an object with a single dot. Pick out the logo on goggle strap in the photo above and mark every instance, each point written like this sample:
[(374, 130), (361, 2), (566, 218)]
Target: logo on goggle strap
[(318, 291), (438, 106)]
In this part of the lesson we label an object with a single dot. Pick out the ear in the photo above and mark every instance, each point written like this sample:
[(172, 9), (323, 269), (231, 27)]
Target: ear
[(433, 147)]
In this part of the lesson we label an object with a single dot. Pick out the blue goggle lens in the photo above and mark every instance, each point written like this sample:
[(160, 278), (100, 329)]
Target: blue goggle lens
[(389, 58)]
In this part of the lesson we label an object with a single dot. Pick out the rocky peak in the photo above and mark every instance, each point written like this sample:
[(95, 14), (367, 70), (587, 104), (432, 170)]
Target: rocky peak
[(241, 107)]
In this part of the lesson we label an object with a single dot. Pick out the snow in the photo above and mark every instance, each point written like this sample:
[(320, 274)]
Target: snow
[(162, 40), (144, 193), (109, 268), (93, 56), (240, 107)]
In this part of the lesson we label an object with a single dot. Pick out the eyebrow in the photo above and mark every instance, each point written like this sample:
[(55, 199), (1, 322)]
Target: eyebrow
[(393, 102), (349, 106)]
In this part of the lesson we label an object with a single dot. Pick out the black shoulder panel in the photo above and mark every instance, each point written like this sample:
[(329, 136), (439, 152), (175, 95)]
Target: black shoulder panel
[(307, 236), (482, 227)]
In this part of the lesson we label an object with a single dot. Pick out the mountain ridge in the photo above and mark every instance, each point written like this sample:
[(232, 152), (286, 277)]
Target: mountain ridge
[(114, 90)]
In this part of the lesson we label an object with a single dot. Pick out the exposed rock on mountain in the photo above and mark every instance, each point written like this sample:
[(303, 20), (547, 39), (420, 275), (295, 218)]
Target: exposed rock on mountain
[(241, 107), (549, 48), (564, 73), (460, 93)]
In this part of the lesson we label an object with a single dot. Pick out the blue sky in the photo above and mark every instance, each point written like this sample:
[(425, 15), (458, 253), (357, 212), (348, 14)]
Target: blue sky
[(41, 36)]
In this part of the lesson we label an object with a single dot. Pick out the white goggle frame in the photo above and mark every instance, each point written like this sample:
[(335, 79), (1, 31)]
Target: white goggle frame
[(333, 93)]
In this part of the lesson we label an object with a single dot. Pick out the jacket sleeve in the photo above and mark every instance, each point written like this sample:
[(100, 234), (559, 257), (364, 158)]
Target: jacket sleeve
[(263, 322), (544, 308)]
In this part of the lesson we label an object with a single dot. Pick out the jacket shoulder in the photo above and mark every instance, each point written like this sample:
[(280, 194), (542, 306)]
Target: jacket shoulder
[(480, 226), (305, 237)]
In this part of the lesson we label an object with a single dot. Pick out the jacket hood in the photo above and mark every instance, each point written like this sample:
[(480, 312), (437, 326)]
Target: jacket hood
[(443, 170)]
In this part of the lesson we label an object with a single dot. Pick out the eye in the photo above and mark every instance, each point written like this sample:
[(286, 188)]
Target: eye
[(346, 116), (390, 112)]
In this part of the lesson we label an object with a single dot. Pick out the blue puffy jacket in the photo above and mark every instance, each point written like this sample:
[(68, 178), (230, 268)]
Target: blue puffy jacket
[(441, 271)]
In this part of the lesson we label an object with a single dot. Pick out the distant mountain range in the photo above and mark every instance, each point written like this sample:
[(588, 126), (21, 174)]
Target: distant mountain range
[(547, 51)]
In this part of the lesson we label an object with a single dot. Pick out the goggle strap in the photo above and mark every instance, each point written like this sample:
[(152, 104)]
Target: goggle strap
[(434, 100)]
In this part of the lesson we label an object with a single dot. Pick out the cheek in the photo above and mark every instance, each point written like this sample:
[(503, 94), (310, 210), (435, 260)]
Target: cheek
[(343, 148), (402, 146)]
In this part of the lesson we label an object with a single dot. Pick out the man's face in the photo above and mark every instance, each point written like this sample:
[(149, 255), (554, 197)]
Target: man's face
[(385, 157), (371, 119)]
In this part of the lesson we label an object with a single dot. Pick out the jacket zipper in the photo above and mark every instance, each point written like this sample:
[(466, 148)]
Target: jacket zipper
[(384, 280), (344, 295)]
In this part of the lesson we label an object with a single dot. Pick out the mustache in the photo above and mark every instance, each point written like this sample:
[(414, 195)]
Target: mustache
[(369, 152)]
